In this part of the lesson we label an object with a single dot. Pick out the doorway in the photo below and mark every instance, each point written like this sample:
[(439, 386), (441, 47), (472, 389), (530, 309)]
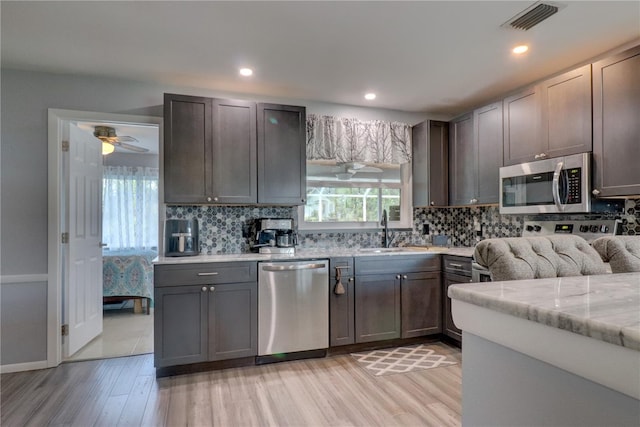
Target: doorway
[(134, 163)]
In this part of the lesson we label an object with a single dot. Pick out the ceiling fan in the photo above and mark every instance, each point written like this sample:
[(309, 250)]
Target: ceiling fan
[(108, 135), (346, 170)]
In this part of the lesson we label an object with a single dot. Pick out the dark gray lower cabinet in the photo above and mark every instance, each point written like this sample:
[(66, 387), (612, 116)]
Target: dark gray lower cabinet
[(397, 297), (199, 318), (377, 304), (421, 304), (450, 329), (180, 325), (341, 306)]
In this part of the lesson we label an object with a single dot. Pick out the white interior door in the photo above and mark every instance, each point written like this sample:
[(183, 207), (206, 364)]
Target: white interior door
[(83, 305)]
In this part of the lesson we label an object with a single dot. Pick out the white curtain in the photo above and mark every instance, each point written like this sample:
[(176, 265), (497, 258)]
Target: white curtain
[(350, 140), (130, 208)]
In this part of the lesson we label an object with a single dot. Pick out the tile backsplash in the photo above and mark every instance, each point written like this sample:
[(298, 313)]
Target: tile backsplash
[(229, 229)]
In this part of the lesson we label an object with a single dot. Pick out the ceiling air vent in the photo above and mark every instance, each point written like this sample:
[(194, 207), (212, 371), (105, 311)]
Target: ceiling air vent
[(532, 16)]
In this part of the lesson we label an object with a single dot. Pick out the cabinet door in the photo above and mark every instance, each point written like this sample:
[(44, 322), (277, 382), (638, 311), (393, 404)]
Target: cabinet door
[(187, 149), (566, 113), (234, 152), (180, 325), (377, 307), (421, 304), (522, 141), (462, 162), (616, 124), (488, 136), (233, 321), (342, 313), (281, 154), (449, 328), (430, 140)]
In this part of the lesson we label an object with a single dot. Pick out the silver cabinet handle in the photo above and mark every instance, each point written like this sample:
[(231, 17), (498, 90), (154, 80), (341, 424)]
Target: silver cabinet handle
[(212, 273), (212, 288), (204, 289), (405, 277), (540, 156), (452, 264), (473, 201), (595, 192), (292, 267), (215, 199), (208, 199), (350, 279), (398, 276), (432, 203)]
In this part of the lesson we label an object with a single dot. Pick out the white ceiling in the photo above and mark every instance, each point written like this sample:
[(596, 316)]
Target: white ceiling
[(436, 57)]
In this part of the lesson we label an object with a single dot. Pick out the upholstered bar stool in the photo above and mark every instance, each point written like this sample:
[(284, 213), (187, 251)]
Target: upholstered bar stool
[(517, 258), (621, 252)]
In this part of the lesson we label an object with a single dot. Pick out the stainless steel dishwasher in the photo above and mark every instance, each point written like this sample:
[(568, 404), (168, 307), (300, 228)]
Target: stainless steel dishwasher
[(293, 309)]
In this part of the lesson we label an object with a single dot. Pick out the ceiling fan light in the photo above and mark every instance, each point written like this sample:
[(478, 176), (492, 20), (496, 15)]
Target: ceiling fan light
[(344, 176), (107, 148)]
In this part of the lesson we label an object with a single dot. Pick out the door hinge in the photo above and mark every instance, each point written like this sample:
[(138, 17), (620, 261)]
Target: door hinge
[(65, 330), (65, 145), (65, 237)]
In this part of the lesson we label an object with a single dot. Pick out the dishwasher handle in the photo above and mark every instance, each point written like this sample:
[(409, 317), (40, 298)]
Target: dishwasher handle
[(281, 267)]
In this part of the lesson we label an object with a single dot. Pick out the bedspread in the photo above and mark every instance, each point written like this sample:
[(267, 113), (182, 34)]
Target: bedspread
[(128, 273)]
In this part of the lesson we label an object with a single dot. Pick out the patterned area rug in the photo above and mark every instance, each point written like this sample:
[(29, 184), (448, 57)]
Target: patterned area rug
[(400, 360)]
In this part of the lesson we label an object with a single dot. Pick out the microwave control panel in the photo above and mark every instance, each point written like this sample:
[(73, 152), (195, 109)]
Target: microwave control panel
[(574, 185)]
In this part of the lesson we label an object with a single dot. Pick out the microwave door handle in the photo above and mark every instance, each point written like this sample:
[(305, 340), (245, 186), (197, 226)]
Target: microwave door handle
[(555, 186)]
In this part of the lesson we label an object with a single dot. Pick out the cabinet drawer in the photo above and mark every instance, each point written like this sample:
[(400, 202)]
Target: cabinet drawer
[(396, 264), (205, 273), (457, 265), (345, 264)]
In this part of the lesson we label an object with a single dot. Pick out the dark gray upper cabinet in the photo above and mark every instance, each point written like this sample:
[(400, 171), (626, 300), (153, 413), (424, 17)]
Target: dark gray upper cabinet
[(475, 150), (462, 161), (219, 151), (566, 113), (430, 163), (281, 154), (187, 149), (487, 123), (522, 134), (234, 152), (549, 119), (616, 124)]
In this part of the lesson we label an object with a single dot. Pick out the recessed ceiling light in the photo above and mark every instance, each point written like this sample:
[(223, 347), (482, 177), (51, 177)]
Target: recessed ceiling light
[(246, 72), (370, 96), (518, 50)]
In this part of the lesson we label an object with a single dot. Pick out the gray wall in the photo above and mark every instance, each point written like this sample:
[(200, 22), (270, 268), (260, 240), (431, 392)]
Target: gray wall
[(26, 97)]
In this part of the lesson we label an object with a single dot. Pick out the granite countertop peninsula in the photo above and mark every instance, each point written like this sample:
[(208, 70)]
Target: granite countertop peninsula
[(604, 307), (315, 253)]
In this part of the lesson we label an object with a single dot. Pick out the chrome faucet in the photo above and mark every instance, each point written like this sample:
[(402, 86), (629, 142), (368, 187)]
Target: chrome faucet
[(385, 224)]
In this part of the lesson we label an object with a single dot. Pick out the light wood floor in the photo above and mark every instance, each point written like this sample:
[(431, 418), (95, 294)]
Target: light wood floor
[(333, 391)]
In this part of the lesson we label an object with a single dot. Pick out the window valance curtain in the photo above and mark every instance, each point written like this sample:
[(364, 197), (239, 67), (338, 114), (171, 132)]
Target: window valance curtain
[(130, 208), (352, 140)]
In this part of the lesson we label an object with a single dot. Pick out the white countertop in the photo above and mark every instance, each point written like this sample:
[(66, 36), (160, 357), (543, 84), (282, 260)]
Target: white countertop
[(604, 307), (314, 254)]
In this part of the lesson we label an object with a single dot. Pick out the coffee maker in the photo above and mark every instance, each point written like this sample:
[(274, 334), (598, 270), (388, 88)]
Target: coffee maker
[(275, 236), (181, 237)]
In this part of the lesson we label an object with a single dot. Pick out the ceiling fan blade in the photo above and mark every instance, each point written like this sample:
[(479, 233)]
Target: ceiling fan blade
[(372, 169), (131, 147), (126, 138)]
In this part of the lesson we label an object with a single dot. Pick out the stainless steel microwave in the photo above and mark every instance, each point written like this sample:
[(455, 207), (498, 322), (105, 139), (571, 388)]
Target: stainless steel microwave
[(560, 185)]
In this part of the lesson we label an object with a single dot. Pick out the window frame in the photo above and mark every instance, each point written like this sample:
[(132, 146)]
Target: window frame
[(406, 207)]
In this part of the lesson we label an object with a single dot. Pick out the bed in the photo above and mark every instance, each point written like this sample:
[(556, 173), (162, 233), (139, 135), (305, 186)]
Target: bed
[(128, 275)]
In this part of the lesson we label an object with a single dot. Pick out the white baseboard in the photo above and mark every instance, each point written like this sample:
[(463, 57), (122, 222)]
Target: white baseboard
[(19, 367)]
